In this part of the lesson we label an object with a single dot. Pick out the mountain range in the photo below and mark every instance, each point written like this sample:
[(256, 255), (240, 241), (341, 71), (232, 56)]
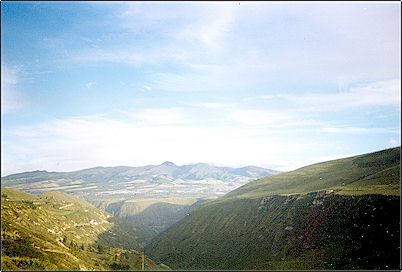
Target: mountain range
[(123, 182)]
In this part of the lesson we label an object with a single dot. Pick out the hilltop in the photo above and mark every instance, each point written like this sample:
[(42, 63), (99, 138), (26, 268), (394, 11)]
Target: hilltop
[(377, 172), (341, 214)]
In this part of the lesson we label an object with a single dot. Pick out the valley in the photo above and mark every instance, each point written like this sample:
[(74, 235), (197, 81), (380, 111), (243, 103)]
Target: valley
[(340, 214), (148, 199)]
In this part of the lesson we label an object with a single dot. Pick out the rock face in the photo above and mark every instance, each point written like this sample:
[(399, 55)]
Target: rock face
[(322, 196), (289, 228)]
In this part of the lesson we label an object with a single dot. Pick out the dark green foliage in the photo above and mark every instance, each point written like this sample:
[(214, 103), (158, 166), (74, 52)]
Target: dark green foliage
[(379, 159), (343, 232), (32, 257), (123, 235), (26, 264), (100, 249), (21, 246), (119, 266)]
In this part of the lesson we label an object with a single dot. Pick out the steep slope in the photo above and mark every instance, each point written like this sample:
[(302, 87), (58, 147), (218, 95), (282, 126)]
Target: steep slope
[(57, 231), (341, 214), (148, 217)]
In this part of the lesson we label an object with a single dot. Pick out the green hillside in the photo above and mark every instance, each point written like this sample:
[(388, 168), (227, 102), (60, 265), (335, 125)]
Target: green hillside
[(342, 214), (376, 172), (58, 232)]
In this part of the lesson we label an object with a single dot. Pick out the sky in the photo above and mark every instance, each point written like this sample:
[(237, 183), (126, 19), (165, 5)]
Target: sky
[(272, 84)]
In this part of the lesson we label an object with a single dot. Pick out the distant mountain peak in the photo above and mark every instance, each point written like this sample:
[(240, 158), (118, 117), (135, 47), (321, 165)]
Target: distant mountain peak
[(201, 164), (168, 163)]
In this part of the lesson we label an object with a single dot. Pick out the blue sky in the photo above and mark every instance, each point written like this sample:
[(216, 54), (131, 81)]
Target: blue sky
[(278, 85)]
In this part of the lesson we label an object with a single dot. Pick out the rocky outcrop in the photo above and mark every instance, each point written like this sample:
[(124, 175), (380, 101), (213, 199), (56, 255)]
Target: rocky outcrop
[(321, 196)]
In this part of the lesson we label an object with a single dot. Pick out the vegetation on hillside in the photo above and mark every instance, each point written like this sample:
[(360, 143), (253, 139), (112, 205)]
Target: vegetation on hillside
[(341, 214), (377, 172), (60, 232), (286, 232)]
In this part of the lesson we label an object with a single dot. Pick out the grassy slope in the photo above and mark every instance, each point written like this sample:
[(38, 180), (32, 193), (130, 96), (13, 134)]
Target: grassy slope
[(57, 231), (377, 172), (273, 224)]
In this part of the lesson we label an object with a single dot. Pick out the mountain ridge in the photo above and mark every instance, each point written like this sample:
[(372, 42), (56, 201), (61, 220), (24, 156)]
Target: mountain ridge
[(124, 182), (133, 168)]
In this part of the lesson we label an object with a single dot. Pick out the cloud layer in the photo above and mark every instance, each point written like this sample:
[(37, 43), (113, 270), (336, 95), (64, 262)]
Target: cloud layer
[(245, 134), (235, 83)]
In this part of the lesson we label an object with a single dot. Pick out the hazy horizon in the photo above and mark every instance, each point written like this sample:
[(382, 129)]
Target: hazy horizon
[(274, 85), (184, 164)]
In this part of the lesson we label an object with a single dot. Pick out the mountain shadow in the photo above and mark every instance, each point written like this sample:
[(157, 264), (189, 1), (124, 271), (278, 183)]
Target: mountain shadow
[(144, 225)]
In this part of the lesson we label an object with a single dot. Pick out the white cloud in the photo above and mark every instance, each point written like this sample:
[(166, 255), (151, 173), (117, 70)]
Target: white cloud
[(8, 75), (380, 93), (232, 76), (214, 105), (359, 130), (160, 116), (89, 85), (249, 44), (374, 94), (147, 88), (258, 117), (76, 143), (195, 23), (151, 136), (262, 97), (127, 55), (272, 119), (212, 27), (392, 143), (11, 98), (292, 119)]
